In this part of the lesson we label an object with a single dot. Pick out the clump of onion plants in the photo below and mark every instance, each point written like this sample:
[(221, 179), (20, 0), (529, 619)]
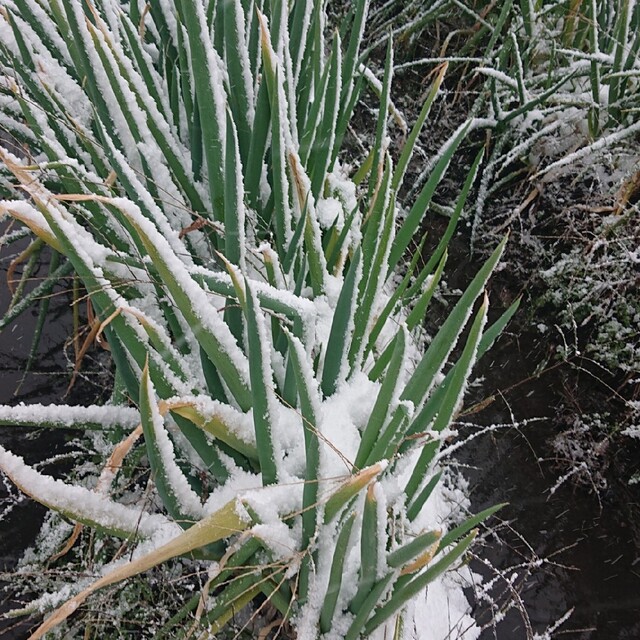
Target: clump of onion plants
[(561, 86), (181, 158), (556, 86)]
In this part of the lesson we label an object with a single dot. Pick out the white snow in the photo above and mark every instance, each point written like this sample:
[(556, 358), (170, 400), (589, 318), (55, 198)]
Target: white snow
[(329, 211), (105, 417)]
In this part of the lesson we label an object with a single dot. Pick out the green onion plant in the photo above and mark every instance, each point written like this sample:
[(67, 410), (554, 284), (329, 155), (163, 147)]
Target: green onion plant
[(183, 160)]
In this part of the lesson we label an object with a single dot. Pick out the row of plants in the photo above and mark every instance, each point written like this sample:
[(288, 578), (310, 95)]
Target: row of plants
[(261, 307)]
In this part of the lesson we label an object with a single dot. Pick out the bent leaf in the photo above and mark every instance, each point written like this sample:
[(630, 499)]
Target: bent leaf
[(230, 519), (80, 504)]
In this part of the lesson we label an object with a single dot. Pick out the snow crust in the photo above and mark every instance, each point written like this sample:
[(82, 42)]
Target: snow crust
[(105, 417)]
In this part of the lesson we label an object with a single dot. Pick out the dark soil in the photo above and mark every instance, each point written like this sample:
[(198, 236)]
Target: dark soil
[(46, 382), (584, 533), (564, 546)]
